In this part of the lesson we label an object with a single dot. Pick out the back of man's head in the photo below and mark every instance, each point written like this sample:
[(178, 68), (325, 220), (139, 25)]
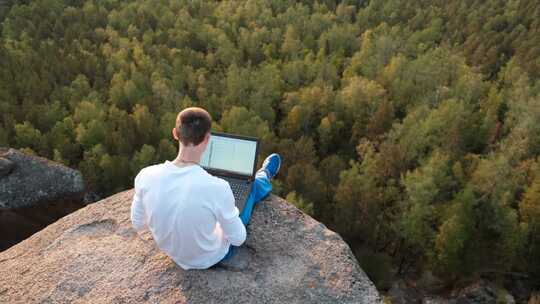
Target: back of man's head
[(192, 124)]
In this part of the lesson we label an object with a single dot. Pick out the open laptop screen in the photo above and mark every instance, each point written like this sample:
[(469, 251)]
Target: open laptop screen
[(230, 154)]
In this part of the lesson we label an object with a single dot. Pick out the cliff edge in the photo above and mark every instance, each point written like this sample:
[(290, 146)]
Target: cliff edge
[(94, 256)]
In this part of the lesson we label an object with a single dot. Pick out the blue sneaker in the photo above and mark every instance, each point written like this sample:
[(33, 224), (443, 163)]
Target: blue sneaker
[(271, 165)]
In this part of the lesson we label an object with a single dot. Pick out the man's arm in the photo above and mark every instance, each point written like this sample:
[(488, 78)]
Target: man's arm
[(227, 216), (138, 215)]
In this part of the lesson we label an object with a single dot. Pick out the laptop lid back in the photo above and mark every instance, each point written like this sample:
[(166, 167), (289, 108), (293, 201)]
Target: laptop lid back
[(231, 155)]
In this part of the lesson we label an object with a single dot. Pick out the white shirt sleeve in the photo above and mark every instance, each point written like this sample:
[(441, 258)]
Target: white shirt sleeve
[(138, 214), (229, 220)]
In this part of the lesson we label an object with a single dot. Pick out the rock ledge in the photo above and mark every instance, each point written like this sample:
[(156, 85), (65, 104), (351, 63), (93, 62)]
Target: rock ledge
[(28, 180), (94, 256)]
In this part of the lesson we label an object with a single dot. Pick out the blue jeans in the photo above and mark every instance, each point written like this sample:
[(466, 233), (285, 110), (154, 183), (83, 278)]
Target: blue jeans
[(260, 189)]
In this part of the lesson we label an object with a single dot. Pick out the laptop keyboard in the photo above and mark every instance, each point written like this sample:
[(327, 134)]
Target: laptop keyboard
[(240, 190)]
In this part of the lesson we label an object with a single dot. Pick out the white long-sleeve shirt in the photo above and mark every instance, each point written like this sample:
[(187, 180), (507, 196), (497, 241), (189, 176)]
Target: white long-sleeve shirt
[(190, 213)]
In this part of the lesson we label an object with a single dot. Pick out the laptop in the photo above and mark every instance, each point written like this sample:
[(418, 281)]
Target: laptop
[(233, 158)]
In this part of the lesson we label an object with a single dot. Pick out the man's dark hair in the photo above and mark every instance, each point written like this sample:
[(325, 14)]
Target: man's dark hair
[(192, 124)]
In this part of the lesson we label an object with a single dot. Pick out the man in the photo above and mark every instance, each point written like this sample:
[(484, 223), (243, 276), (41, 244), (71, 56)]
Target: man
[(191, 214)]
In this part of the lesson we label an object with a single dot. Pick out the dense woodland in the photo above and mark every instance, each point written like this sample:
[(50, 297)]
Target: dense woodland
[(412, 128)]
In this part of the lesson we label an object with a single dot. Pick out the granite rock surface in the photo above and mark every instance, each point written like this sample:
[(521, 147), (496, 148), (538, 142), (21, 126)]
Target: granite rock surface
[(94, 256)]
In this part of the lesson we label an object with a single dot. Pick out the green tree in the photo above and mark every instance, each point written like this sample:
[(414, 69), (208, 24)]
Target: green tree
[(26, 136), (91, 134), (299, 202), (145, 125), (455, 238), (427, 189), (529, 208), (146, 156)]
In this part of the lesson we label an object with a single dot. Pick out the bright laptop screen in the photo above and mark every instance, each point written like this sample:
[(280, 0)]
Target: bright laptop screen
[(231, 154)]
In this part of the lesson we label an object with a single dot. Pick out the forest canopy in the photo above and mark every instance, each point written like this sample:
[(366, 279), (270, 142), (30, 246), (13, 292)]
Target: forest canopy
[(412, 128)]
